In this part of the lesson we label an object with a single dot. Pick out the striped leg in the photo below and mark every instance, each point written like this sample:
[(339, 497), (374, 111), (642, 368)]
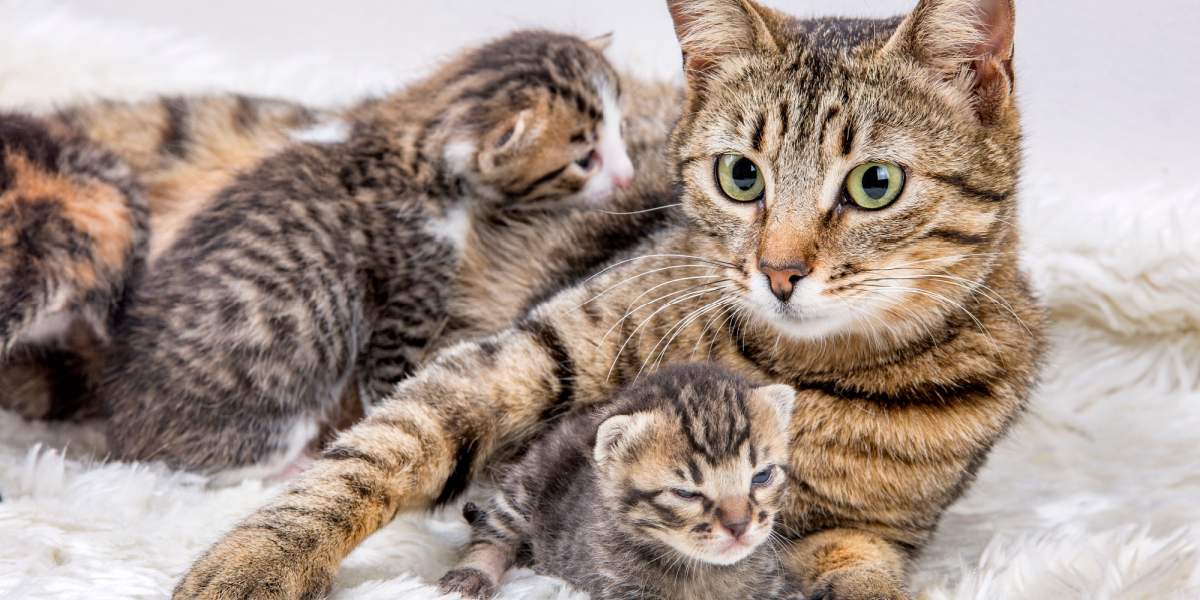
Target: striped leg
[(497, 534), (418, 449)]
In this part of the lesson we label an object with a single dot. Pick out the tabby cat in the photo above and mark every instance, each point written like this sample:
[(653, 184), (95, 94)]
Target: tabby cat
[(170, 155), (331, 263), (73, 230), (848, 193), (670, 494)]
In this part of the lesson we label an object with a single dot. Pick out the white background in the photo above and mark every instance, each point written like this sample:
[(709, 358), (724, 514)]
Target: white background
[(1109, 87)]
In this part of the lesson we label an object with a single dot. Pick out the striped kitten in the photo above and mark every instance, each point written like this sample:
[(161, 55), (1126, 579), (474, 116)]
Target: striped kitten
[(330, 265), (669, 493)]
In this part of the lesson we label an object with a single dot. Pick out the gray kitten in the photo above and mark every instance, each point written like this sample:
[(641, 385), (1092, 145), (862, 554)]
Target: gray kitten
[(669, 493)]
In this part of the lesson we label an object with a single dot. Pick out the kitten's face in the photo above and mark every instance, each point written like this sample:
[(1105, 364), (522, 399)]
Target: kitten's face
[(858, 190), (715, 506), (551, 129)]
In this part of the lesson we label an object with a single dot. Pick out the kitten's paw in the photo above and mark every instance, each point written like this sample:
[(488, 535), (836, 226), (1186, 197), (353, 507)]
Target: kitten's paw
[(468, 582), (857, 584)]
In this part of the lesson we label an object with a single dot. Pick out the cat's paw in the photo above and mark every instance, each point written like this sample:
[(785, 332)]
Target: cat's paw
[(857, 584), (249, 565), (467, 582)]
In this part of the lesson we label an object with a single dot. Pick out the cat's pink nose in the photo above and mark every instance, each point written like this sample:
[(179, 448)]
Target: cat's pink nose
[(622, 182), (734, 516)]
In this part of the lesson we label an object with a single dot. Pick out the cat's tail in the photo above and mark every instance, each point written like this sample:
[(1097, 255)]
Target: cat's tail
[(72, 234)]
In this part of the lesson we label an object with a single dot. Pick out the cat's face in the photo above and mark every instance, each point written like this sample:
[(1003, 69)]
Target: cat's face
[(709, 485), (550, 124), (860, 187)]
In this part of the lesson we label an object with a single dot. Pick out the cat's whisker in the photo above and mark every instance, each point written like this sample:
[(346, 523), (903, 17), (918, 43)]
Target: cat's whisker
[(712, 261), (966, 284), (638, 276), (678, 328), (631, 311), (638, 212), (941, 299), (642, 324), (708, 325)]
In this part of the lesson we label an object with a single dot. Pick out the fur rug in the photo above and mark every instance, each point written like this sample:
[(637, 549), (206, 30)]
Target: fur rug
[(1095, 495)]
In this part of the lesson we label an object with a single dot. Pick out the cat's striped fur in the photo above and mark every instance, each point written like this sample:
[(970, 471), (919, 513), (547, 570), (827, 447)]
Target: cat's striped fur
[(669, 493), (330, 265), (896, 409), (73, 232)]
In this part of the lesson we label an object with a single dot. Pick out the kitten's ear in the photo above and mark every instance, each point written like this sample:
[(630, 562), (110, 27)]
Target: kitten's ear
[(601, 43), (778, 398), (712, 30), (618, 432), (517, 128), (970, 42)]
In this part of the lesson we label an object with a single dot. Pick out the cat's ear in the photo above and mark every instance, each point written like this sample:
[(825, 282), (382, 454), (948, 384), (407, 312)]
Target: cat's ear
[(513, 133), (618, 432), (710, 31), (970, 42), (601, 43), (780, 399)]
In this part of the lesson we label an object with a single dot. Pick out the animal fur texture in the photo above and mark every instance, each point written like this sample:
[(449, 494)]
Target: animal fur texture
[(1092, 496), (905, 325), (671, 492), (300, 258)]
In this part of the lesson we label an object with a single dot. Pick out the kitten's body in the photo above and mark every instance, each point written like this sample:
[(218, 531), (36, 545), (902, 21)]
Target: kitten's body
[(570, 515), (899, 399), (330, 265)]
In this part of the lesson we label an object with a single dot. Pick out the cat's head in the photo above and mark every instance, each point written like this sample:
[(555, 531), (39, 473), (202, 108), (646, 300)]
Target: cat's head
[(859, 174), (693, 460), (542, 122)]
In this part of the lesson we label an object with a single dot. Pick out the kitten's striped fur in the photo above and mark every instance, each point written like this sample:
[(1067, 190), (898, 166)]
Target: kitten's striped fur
[(653, 497), (896, 410), (330, 265)]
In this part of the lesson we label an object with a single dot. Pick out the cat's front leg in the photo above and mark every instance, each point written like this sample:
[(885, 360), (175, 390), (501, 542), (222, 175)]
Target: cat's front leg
[(847, 564)]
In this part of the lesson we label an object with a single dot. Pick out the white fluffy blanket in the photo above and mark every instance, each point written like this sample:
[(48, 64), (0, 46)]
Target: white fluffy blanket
[(1095, 495)]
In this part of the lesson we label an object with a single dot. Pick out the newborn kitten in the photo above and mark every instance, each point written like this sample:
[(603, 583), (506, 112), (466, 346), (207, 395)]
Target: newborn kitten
[(668, 493), (330, 265)]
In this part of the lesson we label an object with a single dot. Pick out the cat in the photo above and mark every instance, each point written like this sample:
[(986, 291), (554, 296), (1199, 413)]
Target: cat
[(670, 492), (169, 155), (848, 192), (73, 230), (330, 265)]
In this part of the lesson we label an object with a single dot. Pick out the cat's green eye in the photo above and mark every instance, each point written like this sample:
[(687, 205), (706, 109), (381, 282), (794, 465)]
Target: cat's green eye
[(874, 185), (739, 178)]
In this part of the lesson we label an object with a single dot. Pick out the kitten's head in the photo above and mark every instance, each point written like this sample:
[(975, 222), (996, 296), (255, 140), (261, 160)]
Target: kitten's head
[(860, 174), (694, 459), (541, 122)]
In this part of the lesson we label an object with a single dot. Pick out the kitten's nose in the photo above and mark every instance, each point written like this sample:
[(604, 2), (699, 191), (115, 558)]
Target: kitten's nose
[(784, 278), (623, 171), (734, 516)]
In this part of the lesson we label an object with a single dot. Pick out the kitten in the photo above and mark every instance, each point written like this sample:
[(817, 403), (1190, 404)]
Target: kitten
[(330, 265), (73, 231), (670, 493)]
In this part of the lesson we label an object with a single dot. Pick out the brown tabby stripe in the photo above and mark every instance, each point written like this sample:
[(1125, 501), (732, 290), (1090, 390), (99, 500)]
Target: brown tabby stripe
[(960, 182), (176, 134)]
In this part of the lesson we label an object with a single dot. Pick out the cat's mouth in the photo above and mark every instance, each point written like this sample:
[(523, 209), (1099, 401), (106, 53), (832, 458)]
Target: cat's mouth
[(805, 313)]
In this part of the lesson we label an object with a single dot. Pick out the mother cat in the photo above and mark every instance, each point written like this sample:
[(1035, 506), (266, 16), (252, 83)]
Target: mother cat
[(848, 187)]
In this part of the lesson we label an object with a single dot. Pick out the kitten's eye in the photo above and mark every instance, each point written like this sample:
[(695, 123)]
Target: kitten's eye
[(585, 163), (740, 178), (763, 477), (874, 185), (686, 495)]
